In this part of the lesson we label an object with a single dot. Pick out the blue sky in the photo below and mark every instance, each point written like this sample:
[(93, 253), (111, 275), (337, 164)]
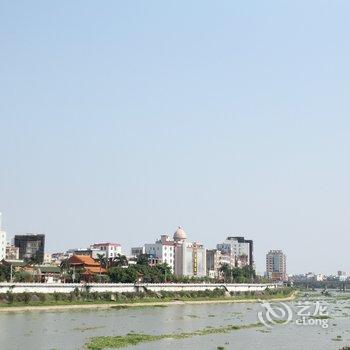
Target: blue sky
[(120, 121)]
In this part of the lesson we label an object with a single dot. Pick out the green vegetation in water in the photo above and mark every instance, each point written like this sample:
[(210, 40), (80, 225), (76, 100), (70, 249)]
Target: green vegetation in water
[(116, 342), (120, 307), (338, 338), (320, 317), (342, 297), (84, 329), (159, 305)]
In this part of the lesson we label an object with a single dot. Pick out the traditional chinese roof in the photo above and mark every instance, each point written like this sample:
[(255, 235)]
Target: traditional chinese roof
[(94, 270), (83, 260)]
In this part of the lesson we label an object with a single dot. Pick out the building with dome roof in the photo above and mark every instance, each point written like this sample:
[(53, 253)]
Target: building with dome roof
[(180, 235), (190, 258), (183, 257)]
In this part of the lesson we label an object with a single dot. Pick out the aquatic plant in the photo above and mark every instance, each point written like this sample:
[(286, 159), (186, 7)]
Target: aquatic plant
[(122, 341)]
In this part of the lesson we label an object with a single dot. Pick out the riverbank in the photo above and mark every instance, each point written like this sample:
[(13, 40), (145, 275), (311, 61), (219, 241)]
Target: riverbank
[(149, 303)]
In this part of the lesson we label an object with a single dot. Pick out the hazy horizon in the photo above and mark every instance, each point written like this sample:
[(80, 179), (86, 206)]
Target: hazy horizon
[(121, 121)]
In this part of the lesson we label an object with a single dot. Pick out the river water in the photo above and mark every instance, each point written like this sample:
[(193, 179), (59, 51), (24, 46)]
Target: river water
[(71, 330)]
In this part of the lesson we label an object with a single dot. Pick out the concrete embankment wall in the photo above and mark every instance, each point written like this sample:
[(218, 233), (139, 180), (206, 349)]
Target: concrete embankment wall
[(128, 287)]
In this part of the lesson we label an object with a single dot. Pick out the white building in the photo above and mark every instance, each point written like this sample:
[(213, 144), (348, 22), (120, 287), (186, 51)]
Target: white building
[(190, 258), (110, 250), (162, 250), (239, 249), (3, 242), (320, 277), (184, 258)]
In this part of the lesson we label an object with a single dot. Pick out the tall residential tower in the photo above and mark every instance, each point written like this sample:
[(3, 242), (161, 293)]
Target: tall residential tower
[(276, 266)]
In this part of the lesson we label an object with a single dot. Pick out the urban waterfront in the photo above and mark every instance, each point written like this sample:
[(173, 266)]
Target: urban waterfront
[(72, 330), (174, 175)]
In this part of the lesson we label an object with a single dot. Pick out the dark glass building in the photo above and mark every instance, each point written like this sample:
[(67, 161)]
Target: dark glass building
[(31, 247)]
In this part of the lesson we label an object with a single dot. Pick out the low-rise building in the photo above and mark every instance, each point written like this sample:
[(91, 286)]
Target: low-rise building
[(57, 258), (92, 252), (12, 252), (137, 251), (86, 266), (109, 250), (320, 277)]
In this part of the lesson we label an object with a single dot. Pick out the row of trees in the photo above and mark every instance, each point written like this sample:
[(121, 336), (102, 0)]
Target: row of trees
[(244, 274), (120, 271), (162, 273), (17, 276)]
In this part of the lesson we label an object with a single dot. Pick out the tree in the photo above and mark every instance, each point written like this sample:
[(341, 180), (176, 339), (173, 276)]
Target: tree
[(142, 259), (120, 261), (5, 273), (249, 272), (237, 274), (66, 271), (151, 274), (103, 261), (225, 271)]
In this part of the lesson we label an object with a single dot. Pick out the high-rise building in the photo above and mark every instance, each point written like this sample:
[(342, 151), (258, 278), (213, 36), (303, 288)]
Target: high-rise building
[(239, 249), (3, 242), (31, 246), (276, 267)]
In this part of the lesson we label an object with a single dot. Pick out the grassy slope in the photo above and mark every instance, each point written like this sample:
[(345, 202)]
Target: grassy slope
[(145, 300)]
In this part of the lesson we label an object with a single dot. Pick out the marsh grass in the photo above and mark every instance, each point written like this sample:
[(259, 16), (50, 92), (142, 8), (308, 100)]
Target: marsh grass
[(320, 317), (117, 342)]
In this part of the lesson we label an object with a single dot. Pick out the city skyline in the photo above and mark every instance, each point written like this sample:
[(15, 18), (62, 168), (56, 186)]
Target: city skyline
[(126, 249), (227, 118)]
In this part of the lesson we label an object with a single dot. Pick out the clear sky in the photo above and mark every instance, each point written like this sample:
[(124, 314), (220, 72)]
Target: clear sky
[(120, 120)]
